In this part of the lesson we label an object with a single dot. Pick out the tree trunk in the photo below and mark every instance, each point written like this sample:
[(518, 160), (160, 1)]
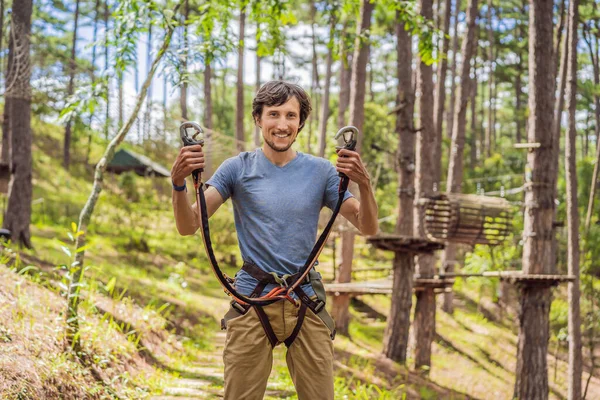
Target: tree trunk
[(489, 131), (70, 87), (148, 116), (72, 337), (474, 137), (359, 71), (106, 64), (256, 128), (208, 111), (395, 340), (345, 74), (184, 63), (574, 325), (1, 32), (120, 97), (440, 91), (450, 112), (18, 96), (93, 78), (239, 108), (325, 105), (596, 68), (455, 169), (538, 236), (314, 87), (357, 102), (424, 320)]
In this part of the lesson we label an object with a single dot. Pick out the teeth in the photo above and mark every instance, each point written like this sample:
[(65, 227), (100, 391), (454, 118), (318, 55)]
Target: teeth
[(281, 136)]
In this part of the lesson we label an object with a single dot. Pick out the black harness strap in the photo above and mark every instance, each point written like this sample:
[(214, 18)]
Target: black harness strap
[(301, 314), (264, 320)]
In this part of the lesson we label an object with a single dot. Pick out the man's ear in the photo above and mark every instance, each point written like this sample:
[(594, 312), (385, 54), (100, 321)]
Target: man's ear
[(257, 121)]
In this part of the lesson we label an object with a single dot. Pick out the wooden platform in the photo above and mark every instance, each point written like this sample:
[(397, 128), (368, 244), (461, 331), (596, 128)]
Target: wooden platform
[(384, 286), (515, 277), (404, 244)]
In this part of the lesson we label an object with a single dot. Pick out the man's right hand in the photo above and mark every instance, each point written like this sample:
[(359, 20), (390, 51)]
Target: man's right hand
[(189, 159)]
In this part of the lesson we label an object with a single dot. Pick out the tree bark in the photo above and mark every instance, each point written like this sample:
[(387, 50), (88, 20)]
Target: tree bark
[(208, 111), (359, 71), (18, 96), (574, 323), (440, 90), (148, 116), (70, 88), (357, 101), (72, 329), (395, 340), (345, 74), (184, 63), (538, 236), (239, 108), (256, 128), (93, 78), (106, 63), (450, 112), (456, 167), (325, 105), (489, 131), (424, 320), (596, 68), (474, 137)]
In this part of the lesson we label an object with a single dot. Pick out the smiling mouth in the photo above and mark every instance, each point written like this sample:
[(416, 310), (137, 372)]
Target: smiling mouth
[(281, 135)]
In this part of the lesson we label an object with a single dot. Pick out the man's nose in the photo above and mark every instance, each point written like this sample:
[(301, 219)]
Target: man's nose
[(282, 124)]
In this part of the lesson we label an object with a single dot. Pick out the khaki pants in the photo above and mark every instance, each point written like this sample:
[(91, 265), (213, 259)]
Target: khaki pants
[(248, 355)]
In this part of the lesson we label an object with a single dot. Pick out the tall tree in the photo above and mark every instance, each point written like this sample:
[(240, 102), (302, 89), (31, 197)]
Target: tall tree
[(325, 102), (258, 65), (424, 319), (440, 90), (345, 75), (239, 108), (489, 130), (148, 115), (5, 129), (595, 59), (456, 167), (450, 113), (574, 324), (532, 371), (70, 88), (395, 340), (357, 116), (184, 63), (18, 97), (106, 66)]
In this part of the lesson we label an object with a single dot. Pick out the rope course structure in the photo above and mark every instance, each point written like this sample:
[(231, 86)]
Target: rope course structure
[(466, 218)]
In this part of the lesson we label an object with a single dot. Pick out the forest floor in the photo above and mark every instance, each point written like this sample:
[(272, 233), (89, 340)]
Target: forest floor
[(151, 308)]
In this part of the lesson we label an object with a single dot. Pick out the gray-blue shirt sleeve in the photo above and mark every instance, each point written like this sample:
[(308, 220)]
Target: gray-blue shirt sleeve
[(331, 191), (225, 177)]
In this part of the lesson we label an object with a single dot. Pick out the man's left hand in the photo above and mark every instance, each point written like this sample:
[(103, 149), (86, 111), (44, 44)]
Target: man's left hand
[(349, 163)]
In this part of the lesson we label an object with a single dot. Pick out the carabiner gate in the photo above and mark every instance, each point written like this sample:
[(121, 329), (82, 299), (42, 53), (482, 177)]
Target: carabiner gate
[(185, 137), (349, 142)]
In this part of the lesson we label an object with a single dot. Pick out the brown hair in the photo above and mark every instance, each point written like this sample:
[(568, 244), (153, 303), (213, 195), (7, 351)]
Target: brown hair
[(276, 93)]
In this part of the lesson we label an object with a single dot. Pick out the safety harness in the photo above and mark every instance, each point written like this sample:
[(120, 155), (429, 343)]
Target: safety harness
[(287, 284)]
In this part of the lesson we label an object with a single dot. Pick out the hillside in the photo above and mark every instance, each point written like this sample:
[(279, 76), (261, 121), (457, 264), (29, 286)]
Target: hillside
[(151, 306)]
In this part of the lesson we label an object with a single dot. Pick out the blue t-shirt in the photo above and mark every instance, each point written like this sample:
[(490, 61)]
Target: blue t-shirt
[(276, 210)]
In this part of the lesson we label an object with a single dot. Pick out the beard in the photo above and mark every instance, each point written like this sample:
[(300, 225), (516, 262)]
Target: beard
[(279, 149)]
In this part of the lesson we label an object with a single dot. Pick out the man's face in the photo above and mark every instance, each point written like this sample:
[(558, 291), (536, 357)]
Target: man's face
[(279, 124)]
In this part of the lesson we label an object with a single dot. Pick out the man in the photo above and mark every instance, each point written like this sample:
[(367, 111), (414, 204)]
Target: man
[(277, 194)]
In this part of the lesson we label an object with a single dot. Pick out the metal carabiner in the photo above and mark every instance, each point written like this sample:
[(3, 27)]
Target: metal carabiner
[(185, 137), (191, 141), (349, 143)]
